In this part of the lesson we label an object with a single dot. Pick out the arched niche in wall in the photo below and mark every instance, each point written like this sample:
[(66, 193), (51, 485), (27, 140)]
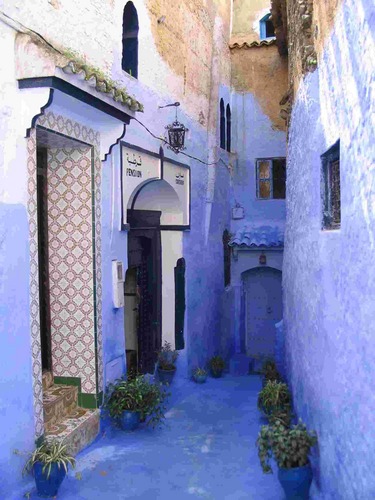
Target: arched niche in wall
[(229, 127), (222, 124), (130, 28)]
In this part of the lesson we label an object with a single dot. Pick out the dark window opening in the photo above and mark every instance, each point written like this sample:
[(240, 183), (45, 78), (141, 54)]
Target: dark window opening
[(271, 178), (267, 28), (222, 124), (179, 281), (331, 194), (130, 40), (229, 128), (227, 255)]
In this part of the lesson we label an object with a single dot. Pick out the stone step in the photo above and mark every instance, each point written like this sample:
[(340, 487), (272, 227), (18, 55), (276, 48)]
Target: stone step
[(77, 430), (58, 401), (47, 380)]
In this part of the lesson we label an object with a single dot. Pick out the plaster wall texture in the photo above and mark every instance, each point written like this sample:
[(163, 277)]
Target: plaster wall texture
[(329, 282), (16, 387), (254, 137), (246, 17), (174, 55)]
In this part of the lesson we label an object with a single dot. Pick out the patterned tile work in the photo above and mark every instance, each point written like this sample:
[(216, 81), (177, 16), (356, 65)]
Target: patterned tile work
[(34, 285), (58, 123), (58, 401), (70, 265), (77, 430), (47, 379)]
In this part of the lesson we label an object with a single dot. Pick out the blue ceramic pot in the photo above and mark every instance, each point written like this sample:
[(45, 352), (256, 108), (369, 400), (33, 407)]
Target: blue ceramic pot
[(129, 420), (296, 482), (199, 379), (166, 376), (48, 488)]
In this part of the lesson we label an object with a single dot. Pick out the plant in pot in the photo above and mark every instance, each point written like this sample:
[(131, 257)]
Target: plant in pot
[(199, 375), (134, 400), (167, 358), (275, 400), (217, 365), (290, 447), (269, 371), (49, 465)]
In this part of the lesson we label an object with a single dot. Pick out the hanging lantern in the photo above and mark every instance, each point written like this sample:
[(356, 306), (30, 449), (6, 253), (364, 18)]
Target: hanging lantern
[(176, 132)]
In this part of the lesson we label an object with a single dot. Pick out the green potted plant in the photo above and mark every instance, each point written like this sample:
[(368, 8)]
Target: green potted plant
[(49, 465), (217, 365), (269, 371), (135, 399), (167, 358), (199, 375), (274, 399), (290, 447)]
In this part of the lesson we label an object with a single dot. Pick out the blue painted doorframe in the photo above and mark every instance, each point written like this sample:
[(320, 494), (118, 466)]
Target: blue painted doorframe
[(261, 309)]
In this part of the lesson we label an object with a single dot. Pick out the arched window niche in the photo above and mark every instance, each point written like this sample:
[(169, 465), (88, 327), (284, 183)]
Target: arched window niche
[(222, 124), (130, 30), (229, 128)]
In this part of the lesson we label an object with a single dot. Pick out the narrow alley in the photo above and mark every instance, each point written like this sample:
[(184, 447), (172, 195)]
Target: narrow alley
[(205, 450)]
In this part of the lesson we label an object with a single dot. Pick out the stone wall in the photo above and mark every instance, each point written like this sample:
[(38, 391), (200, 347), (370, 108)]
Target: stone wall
[(328, 276)]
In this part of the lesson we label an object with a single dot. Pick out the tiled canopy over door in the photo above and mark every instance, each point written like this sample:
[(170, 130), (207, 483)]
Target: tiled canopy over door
[(263, 308)]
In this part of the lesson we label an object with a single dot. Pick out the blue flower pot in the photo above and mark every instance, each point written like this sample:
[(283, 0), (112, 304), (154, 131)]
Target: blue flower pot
[(129, 420), (166, 376), (200, 379), (48, 488), (296, 482)]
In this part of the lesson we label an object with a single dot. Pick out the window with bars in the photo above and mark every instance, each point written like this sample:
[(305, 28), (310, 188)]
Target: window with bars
[(271, 178), (331, 192)]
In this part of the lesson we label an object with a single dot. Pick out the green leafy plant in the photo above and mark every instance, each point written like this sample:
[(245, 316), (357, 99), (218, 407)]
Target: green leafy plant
[(269, 370), (275, 399), (49, 453), (199, 372), (137, 394), (216, 364), (289, 446), (167, 357)]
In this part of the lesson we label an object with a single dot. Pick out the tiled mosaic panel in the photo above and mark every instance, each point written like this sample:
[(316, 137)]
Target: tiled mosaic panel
[(58, 401), (70, 265), (72, 129), (34, 285), (78, 430)]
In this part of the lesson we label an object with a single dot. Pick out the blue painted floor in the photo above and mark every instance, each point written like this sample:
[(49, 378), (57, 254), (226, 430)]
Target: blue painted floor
[(206, 451)]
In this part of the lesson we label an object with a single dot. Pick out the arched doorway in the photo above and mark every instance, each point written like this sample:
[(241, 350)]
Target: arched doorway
[(262, 309)]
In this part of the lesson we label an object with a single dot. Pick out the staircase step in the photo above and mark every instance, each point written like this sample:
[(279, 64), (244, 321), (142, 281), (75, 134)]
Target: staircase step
[(77, 430), (58, 401), (47, 380)]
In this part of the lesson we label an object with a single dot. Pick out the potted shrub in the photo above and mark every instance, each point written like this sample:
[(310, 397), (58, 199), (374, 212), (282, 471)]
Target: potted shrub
[(135, 399), (167, 358), (49, 464), (290, 447), (269, 371), (199, 375), (217, 365), (275, 399)]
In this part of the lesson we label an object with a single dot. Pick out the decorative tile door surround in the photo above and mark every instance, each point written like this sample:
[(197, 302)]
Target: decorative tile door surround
[(74, 208)]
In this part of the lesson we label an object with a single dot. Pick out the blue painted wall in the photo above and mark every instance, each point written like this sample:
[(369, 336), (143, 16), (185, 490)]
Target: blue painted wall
[(16, 395), (329, 276)]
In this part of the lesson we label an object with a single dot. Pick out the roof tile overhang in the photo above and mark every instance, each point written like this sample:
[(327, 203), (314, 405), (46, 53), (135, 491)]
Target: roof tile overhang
[(247, 45), (39, 64), (252, 236)]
